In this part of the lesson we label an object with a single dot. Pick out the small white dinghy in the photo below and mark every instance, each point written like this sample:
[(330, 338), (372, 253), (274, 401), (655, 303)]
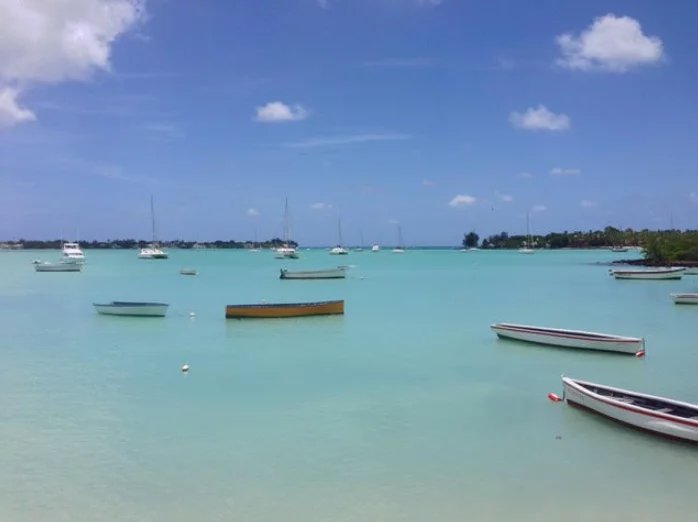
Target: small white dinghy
[(571, 338), (330, 273), (650, 273), (57, 267), (656, 414), (132, 308), (686, 298)]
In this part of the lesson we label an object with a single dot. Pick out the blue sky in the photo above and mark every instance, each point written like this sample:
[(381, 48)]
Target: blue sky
[(443, 116)]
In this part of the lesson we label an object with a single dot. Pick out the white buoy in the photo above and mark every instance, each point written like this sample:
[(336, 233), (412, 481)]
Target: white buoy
[(185, 368), (192, 314)]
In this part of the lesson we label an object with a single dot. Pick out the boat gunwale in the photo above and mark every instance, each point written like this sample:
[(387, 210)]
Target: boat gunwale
[(286, 305), (565, 333), (579, 386), (135, 304), (670, 270)]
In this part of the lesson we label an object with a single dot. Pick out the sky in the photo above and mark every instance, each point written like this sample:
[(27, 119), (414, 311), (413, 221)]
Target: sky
[(435, 116)]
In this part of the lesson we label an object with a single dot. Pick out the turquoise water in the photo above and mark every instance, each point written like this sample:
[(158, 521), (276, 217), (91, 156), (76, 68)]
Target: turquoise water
[(407, 408)]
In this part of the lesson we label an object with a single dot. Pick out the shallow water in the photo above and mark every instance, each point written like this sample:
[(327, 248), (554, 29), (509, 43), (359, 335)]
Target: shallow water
[(405, 408)]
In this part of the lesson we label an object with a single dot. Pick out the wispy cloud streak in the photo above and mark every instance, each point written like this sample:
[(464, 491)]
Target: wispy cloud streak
[(346, 140)]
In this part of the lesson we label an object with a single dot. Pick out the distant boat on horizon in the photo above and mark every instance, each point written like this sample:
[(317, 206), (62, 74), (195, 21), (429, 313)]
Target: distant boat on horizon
[(526, 249), (339, 250), (400, 248), (286, 251), (152, 251)]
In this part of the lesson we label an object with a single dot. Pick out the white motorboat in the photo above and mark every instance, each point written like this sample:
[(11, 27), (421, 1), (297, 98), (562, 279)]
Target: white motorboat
[(570, 338), (375, 248), (153, 250), (72, 253), (685, 298), (57, 267), (619, 249), (667, 417), (330, 273), (650, 273), (132, 308)]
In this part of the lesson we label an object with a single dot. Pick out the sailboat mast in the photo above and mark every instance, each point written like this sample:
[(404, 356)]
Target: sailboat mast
[(339, 231), (152, 217)]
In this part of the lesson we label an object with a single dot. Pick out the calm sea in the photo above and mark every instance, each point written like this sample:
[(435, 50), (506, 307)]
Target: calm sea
[(407, 408)]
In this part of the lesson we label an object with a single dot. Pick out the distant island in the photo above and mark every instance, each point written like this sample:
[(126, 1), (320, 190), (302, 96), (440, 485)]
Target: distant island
[(56, 244), (660, 247)]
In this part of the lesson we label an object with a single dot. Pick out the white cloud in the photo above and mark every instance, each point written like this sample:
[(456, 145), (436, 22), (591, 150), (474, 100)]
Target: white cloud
[(278, 111), (611, 43), (585, 203), (462, 200), (57, 41), (347, 140), (693, 196), (321, 206), (506, 198), (393, 222), (10, 111), (539, 208), (427, 183), (253, 212), (525, 175), (540, 118), (557, 171), (429, 3)]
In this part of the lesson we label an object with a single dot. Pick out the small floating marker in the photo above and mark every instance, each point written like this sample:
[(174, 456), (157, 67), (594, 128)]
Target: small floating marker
[(639, 354), (185, 368), (558, 437), (554, 397), (192, 314)]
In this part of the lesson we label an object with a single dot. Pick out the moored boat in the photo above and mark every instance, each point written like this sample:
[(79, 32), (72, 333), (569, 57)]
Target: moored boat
[(685, 298), (278, 310), (330, 273), (570, 338), (648, 412), (650, 273), (57, 267), (189, 271), (690, 270), (132, 308), (72, 253)]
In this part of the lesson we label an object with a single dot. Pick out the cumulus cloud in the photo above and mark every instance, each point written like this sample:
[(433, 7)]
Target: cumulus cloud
[(585, 203), (320, 206), (539, 208), (462, 200), (558, 171), (610, 43), (253, 212), (10, 110), (56, 41), (506, 198), (277, 111), (540, 118)]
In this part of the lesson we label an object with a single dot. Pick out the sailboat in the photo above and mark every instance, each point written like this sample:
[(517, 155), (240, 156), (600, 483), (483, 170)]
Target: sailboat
[(286, 251), (152, 251), (254, 245), (339, 250), (400, 248), (526, 249), (360, 248)]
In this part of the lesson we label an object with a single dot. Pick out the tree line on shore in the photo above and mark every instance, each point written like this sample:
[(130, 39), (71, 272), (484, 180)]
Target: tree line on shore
[(659, 246), (139, 243)]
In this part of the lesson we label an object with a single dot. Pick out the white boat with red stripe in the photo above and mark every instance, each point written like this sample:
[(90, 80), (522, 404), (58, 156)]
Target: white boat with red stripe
[(650, 273), (571, 338), (667, 417)]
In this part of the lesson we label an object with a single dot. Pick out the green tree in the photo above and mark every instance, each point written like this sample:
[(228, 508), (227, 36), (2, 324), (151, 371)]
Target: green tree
[(470, 240)]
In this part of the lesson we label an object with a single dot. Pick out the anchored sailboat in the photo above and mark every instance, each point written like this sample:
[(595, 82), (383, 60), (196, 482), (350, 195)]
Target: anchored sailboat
[(339, 250), (152, 251), (287, 251), (526, 249), (400, 248)]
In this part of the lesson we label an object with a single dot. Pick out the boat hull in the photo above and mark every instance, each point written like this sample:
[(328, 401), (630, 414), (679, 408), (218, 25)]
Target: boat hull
[(692, 270), (685, 298), (669, 273), (132, 309), (282, 310), (570, 338), (333, 273), (623, 407), (58, 267)]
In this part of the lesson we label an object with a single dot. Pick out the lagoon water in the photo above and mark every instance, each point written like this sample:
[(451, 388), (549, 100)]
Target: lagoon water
[(407, 408)]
